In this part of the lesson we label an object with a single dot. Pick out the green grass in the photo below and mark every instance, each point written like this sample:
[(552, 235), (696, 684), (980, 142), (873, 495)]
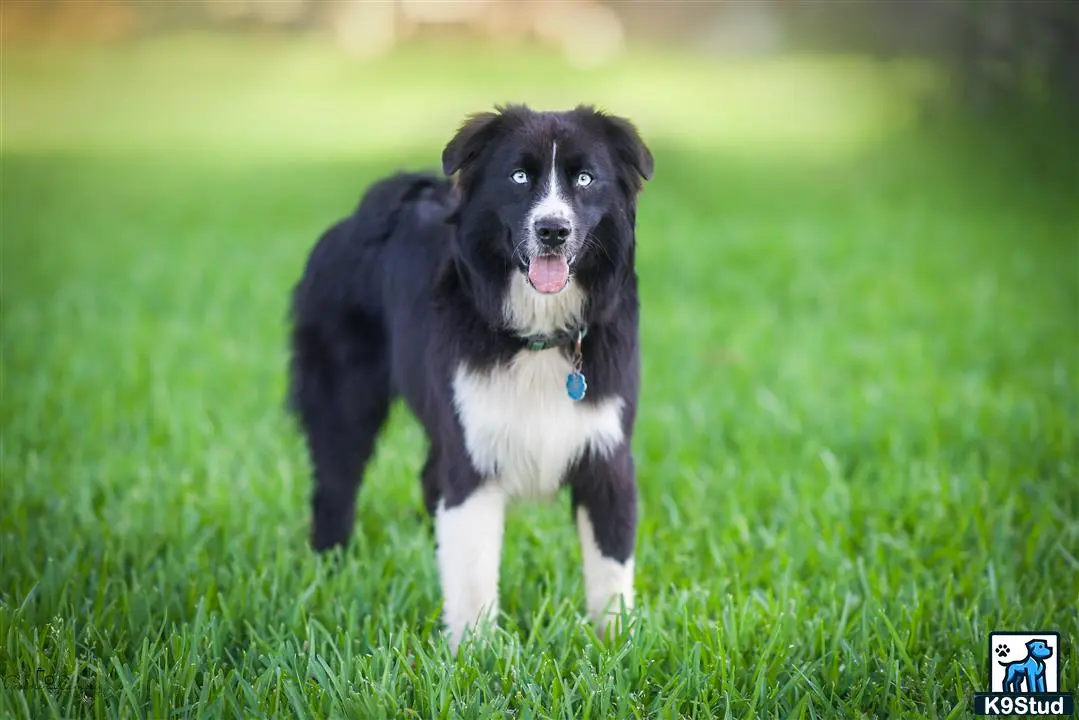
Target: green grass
[(858, 446)]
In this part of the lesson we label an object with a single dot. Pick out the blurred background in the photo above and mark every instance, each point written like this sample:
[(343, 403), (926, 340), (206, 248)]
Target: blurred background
[(347, 76)]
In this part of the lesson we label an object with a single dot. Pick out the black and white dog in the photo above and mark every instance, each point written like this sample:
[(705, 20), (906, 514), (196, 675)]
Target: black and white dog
[(502, 307)]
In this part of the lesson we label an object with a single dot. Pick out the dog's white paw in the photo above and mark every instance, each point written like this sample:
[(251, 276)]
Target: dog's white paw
[(616, 623), (476, 634), (469, 549)]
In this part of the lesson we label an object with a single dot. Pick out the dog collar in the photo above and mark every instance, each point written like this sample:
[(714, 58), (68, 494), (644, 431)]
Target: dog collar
[(560, 338), (576, 384)]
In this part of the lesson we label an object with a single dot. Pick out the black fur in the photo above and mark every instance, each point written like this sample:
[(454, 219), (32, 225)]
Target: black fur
[(396, 296)]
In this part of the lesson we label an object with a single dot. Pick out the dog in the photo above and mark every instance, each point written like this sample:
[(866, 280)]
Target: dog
[(1030, 669), (499, 301)]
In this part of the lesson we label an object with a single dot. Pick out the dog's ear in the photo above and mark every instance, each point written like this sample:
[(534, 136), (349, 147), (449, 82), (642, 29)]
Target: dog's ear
[(628, 145), (473, 134)]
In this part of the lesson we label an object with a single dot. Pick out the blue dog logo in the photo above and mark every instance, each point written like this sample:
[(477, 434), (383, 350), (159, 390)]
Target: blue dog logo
[(1027, 687), (1029, 670)]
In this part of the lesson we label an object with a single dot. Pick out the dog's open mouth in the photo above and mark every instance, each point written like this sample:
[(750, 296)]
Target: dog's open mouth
[(548, 273)]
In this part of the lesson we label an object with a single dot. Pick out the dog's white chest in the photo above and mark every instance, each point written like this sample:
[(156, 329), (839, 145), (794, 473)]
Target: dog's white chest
[(523, 430)]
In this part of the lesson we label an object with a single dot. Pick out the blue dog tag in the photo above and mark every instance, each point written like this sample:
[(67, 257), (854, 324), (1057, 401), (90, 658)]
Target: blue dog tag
[(576, 386)]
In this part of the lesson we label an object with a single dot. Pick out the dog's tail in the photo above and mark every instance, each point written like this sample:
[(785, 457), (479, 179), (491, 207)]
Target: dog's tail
[(342, 281), (344, 262), (380, 208)]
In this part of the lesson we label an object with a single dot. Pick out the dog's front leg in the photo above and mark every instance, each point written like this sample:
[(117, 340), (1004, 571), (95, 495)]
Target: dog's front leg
[(605, 505), (469, 536), (1033, 680)]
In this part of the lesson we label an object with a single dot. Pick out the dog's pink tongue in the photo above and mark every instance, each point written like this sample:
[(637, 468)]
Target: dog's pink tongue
[(548, 273)]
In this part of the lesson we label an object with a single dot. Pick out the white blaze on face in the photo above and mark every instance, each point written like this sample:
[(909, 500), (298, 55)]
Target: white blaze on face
[(549, 273), (553, 204)]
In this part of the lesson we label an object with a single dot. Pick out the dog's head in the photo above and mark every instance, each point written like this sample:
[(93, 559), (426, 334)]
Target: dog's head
[(1039, 649), (551, 195)]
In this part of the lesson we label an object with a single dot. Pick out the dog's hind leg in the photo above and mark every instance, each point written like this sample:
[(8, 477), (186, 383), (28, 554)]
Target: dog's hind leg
[(341, 394), (1012, 680)]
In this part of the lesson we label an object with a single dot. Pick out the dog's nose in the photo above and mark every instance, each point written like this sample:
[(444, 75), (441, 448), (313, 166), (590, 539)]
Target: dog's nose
[(552, 231)]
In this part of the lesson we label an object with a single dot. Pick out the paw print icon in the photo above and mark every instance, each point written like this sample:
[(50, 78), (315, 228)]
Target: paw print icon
[(1001, 650)]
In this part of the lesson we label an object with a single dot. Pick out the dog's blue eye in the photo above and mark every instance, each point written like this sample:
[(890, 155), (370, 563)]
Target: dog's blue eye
[(519, 176), (584, 179)]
